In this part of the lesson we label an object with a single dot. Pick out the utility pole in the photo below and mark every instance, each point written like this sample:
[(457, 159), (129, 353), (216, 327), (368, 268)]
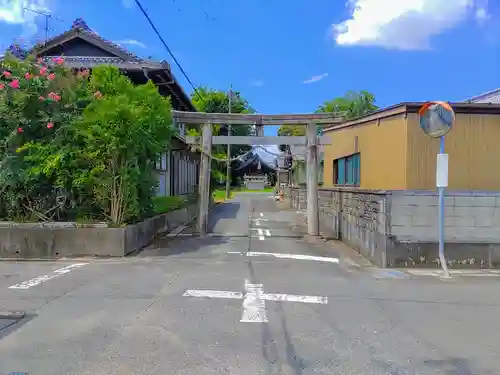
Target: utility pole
[(228, 165)]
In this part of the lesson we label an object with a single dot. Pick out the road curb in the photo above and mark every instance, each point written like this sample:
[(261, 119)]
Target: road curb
[(173, 234)]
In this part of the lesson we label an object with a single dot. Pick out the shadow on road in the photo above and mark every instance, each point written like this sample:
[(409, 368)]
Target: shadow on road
[(180, 245), (225, 210), (294, 360), (455, 366), (7, 326)]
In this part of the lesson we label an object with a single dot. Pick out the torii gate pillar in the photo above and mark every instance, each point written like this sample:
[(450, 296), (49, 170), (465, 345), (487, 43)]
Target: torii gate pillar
[(312, 180), (204, 184)]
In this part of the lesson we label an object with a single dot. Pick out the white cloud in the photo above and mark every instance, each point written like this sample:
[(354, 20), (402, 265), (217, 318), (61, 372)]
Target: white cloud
[(257, 83), (404, 24), (132, 42), (315, 79), (23, 12), (482, 15)]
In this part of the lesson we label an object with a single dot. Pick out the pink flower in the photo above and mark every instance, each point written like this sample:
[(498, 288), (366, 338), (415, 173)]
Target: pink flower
[(14, 84), (50, 125), (58, 60), (20, 130), (51, 76), (1, 86), (54, 96), (7, 74), (28, 76), (43, 71), (41, 98)]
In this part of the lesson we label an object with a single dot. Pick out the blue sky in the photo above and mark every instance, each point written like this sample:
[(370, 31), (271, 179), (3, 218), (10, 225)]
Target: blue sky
[(290, 56)]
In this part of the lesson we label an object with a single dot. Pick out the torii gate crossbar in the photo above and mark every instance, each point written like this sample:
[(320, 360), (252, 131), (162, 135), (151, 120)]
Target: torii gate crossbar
[(311, 140)]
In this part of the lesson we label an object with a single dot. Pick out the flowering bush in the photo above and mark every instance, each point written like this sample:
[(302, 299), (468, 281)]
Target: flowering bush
[(74, 146), (35, 110)]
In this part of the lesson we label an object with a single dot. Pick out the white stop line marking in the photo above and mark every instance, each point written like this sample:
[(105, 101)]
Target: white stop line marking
[(41, 279), (286, 256), (254, 308)]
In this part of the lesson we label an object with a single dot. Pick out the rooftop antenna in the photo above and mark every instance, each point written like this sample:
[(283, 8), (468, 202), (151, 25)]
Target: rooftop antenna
[(47, 17)]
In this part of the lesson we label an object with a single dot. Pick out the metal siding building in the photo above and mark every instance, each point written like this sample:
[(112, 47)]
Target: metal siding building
[(395, 154), (492, 97)]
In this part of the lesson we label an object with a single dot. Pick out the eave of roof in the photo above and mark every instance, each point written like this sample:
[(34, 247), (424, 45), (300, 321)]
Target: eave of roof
[(254, 158), (89, 36), (413, 107)]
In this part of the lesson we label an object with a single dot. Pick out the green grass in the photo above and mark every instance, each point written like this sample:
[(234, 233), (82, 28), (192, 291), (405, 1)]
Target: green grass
[(243, 190), (163, 205), (220, 195)]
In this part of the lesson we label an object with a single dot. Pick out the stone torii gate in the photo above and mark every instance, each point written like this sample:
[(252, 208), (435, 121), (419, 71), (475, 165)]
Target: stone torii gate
[(311, 141)]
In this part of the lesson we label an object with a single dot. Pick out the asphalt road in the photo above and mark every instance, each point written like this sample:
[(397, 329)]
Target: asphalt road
[(249, 299)]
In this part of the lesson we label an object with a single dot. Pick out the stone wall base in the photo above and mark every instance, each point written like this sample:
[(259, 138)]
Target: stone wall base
[(56, 240)]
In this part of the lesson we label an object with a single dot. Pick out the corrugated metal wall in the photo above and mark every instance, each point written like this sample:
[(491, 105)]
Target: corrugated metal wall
[(473, 146)]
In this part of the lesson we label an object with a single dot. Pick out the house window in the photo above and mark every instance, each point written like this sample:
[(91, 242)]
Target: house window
[(346, 170)]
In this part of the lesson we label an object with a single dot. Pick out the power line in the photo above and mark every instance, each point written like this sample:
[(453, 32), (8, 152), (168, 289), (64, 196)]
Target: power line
[(166, 46)]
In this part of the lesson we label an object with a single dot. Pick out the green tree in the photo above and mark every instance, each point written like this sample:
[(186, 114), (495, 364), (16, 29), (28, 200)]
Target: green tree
[(217, 101), (124, 130), (351, 105), (290, 130)]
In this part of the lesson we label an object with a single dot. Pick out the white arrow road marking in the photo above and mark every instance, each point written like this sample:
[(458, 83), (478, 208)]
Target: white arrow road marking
[(41, 279), (261, 234), (254, 308)]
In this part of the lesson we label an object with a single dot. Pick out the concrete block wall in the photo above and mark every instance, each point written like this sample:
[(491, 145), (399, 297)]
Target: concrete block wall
[(357, 217), (399, 228), (472, 229), (469, 216)]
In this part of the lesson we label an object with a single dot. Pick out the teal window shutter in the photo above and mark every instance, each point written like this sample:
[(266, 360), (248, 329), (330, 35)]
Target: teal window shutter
[(350, 170), (356, 169), (341, 171)]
